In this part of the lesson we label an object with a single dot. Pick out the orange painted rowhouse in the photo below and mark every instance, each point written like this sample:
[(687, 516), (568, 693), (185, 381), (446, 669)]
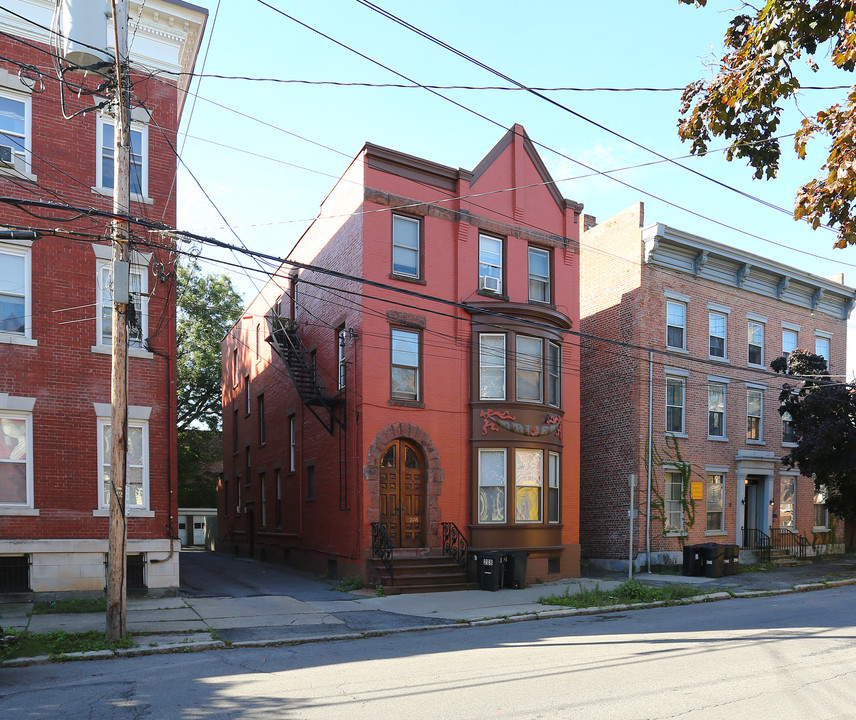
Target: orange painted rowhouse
[(56, 299), (408, 372)]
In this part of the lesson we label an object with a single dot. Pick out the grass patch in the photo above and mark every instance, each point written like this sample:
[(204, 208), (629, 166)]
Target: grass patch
[(630, 591), (59, 643), (72, 605), (350, 582)]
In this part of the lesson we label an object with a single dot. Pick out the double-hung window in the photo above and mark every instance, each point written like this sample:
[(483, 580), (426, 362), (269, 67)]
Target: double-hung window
[(341, 364), (139, 150), (789, 342), (16, 460), (138, 295), (529, 484), (136, 469), (554, 374), (756, 342), (490, 264), (755, 415), (15, 301), (553, 475), (715, 502), (716, 410), (491, 366), (821, 511), (821, 347), (675, 402), (787, 493), (15, 128), (292, 444), (539, 275), (789, 435), (492, 483), (530, 369), (674, 503), (404, 376), (676, 325), (405, 246), (717, 332)]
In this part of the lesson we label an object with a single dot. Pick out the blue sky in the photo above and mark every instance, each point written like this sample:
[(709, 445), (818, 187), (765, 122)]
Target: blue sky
[(282, 160)]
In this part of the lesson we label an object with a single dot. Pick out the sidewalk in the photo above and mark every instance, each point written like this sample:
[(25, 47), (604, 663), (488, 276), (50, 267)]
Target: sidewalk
[(199, 623)]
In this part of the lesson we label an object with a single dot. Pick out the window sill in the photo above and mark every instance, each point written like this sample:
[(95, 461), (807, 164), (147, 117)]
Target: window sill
[(19, 511), (715, 533), (407, 279), (789, 444), (108, 192), (676, 534), (821, 529), (677, 435), (15, 339), (756, 365), (132, 351), (755, 442), (18, 174), (129, 512), (407, 403), (542, 303), (717, 438), (677, 350), (718, 359), (495, 296)]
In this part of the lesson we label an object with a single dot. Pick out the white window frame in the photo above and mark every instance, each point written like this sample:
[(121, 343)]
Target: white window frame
[(526, 362), (417, 271), (554, 374), (760, 416), (719, 509), (749, 344), (498, 356), (789, 332), (399, 359), (820, 339), (537, 280), (23, 150), (503, 493), (821, 494), (103, 273), (723, 336), (682, 383), (18, 409), (787, 421), (672, 508), (143, 129), (554, 475), (518, 517), (724, 388), (21, 249), (490, 268), (104, 464), (790, 478), (671, 303)]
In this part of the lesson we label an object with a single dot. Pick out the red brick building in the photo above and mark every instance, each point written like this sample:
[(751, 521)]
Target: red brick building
[(56, 299), (689, 329), (419, 373)]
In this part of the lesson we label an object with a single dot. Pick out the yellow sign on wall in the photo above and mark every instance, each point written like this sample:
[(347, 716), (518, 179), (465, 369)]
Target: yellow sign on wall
[(697, 490)]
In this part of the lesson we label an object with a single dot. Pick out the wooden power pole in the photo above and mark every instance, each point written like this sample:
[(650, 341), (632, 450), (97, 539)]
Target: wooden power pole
[(116, 553)]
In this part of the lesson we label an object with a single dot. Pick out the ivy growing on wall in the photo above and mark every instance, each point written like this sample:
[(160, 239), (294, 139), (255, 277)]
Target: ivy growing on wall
[(669, 459)]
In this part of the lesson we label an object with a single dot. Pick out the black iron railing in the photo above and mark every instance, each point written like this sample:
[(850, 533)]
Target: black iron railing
[(758, 542), (382, 547), (455, 545), (788, 539)]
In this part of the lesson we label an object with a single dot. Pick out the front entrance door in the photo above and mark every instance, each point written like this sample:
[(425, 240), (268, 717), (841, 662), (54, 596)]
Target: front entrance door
[(755, 512), (402, 493)]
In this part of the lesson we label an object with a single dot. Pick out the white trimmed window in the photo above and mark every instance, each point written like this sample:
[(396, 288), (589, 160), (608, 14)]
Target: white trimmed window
[(341, 363), (756, 342), (553, 475), (491, 366), (675, 401), (676, 325), (104, 174), (530, 369), (821, 347), (16, 129), (15, 291), (137, 467), (755, 415), (715, 502), (490, 264), (789, 342), (718, 324), (138, 290), (554, 374), (789, 435), (787, 495), (674, 503), (529, 482), (821, 511), (16, 459), (539, 275), (405, 246), (716, 410), (492, 482), (404, 375)]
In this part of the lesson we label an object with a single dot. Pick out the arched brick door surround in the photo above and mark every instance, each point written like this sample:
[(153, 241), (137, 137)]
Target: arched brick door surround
[(433, 474)]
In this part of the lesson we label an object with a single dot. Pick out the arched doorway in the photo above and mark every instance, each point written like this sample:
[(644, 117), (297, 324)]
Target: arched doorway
[(402, 493)]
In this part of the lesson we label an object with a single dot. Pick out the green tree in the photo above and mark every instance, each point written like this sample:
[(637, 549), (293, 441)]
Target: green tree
[(757, 76), (823, 417)]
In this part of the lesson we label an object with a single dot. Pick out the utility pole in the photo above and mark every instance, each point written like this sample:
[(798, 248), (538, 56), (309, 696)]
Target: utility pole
[(117, 543)]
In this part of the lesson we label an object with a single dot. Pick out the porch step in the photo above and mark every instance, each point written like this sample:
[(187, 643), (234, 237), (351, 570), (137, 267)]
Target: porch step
[(420, 574)]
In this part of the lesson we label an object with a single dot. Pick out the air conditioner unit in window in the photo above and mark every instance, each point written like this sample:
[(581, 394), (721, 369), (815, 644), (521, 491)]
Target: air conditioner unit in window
[(491, 284), (6, 156)]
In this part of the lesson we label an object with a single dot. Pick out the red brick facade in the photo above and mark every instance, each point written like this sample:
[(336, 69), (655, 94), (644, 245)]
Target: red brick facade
[(630, 276), (411, 371)]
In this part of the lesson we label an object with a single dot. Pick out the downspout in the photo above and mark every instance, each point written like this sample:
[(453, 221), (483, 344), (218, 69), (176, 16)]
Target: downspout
[(650, 456)]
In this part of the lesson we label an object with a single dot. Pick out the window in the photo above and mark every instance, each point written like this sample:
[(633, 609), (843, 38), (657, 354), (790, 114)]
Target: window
[(756, 343), (490, 264), (787, 493), (235, 369), (263, 498), (292, 444), (15, 125), (716, 410), (754, 415), (529, 482), (262, 429), (789, 435), (137, 467), (278, 509), (492, 481), (405, 246), (789, 342), (341, 365), (554, 374), (821, 347), (715, 502), (717, 331), (247, 394), (676, 324), (404, 380), (553, 475), (529, 369), (16, 463), (138, 289), (15, 290), (674, 504), (139, 140), (491, 366), (539, 275), (821, 512), (675, 391)]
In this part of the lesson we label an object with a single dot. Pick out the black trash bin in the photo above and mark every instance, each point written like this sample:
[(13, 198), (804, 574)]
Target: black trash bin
[(490, 570), (732, 560), (515, 569), (693, 560), (714, 559)]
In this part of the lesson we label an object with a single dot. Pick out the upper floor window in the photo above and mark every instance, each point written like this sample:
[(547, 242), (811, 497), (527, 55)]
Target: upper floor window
[(676, 325), (15, 290), (490, 264), (262, 427), (674, 503), (675, 399), (716, 410), (136, 469), (756, 342), (15, 128), (789, 342), (16, 462), (554, 374), (292, 444), (405, 246), (491, 366), (404, 376), (755, 415), (138, 293), (789, 435), (821, 347), (539, 275), (530, 365), (341, 365), (139, 149), (717, 331)]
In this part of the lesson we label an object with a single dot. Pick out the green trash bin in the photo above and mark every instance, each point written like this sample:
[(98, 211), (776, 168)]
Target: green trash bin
[(490, 570)]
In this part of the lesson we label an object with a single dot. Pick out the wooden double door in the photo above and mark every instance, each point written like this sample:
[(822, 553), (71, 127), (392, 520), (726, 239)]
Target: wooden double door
[(402, 493)]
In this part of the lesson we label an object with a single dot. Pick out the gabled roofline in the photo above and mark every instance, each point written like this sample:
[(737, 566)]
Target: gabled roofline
[(414, 168)]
